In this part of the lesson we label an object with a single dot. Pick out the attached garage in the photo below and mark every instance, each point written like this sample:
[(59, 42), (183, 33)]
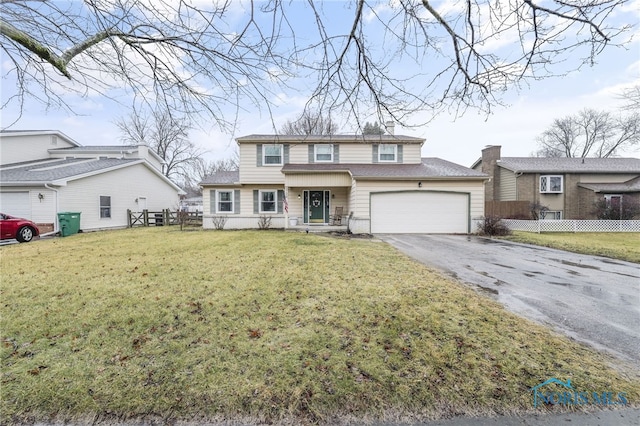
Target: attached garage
[(420, 212), (16, 204)]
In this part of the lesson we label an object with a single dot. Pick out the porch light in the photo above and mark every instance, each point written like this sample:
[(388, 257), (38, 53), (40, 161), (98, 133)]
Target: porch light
[(419, 184), (298, 196), (41, 196)]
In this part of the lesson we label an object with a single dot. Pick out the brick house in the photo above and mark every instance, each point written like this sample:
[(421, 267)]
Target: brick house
[(568, 187)]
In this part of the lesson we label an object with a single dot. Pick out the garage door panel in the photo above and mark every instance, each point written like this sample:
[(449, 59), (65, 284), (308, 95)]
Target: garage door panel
[(419, 212), (16, 203)]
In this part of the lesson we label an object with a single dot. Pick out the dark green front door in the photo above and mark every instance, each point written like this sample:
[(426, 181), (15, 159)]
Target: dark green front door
[(316, 206)]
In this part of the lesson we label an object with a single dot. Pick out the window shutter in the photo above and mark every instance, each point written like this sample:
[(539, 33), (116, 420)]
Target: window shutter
[(236, 201), (280, 200), (336, 153), (375, 153), (311, 154), (285, 154), (259, 155), (399, 150), (256, 202), (212, 201)]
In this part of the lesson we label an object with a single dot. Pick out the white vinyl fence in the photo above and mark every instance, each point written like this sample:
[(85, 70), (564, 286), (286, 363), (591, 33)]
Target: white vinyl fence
[(573, 225)]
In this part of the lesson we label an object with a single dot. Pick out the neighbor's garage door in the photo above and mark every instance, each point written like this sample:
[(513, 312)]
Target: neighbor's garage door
[(420, 212), (16, 204)]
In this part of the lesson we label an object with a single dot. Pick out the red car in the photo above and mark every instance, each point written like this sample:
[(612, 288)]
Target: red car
[(22, 230)]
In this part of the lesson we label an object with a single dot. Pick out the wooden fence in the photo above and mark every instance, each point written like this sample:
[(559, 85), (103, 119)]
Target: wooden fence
[(165, 217), (508, 209)]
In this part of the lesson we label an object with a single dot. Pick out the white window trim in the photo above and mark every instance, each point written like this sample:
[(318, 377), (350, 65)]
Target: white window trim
[(548, 179), (556, 213), (218, 191), (264, 154), (275, 200), (315, 153), (105, 206), (380, 153)]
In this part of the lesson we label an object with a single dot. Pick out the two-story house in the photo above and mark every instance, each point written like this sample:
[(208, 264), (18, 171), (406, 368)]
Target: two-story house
[(566, 187), (45, 172), (380, 182)]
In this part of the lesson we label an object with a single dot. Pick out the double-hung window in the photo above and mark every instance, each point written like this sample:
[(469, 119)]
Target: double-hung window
[(387, 153), (224, 201), (272, 154), (323, 153), (105, 207), (550, 184), (268, 201)]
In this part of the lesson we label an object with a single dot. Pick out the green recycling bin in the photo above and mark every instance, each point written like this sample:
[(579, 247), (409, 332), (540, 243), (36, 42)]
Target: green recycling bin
[(69, 223)]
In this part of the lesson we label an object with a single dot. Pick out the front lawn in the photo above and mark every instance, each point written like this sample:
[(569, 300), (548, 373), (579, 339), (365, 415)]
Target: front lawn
[(623, 246), (266, 326)]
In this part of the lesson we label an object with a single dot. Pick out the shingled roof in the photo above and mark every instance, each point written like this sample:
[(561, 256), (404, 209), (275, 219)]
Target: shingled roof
[(47, 171), (570, 165)]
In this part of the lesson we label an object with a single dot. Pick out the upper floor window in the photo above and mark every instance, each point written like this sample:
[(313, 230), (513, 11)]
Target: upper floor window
[(551, 184), (105, 206), (225, 201), (323, 153), (272, 154), (387, 152)]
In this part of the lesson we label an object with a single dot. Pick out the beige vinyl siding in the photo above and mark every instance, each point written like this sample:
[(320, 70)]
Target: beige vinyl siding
[(318, 180), (299, 153), (356, 153), (361, 202), (12, 148), (606, 178), (123, 186), (411, 154), (251, 173), (507, 185)]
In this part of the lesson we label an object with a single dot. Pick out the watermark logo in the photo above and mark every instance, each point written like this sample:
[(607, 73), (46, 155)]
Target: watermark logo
[(570, 396)]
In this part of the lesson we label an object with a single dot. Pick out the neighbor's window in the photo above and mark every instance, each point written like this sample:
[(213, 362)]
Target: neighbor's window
[(324, 153), (105, 206), (551, 215), (551, 184), (268, 201), (387, 152), (613, 201), (272, 154), (225, 201)]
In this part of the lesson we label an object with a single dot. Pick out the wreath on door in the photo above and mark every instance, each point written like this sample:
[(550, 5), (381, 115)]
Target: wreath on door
[(316, 203)]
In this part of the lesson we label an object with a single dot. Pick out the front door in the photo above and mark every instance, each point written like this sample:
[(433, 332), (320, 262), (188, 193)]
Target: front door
[(316, 206)]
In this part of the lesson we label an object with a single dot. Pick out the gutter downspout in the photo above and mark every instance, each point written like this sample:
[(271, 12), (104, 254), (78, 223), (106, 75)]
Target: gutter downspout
[(55, 222)]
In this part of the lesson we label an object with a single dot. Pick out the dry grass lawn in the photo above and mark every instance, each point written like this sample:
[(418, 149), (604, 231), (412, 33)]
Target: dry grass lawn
[(264, 326), (623, 246)]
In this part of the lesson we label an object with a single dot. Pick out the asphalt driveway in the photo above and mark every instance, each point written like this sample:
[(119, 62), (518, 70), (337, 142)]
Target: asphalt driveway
[(592, 299)]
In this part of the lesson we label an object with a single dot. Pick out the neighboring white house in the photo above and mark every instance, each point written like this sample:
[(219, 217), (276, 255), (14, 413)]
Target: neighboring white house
[(43, 173), (380, 182)]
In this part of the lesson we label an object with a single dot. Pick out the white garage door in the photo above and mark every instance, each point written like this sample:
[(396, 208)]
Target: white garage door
[(16, 204), (420, 212)]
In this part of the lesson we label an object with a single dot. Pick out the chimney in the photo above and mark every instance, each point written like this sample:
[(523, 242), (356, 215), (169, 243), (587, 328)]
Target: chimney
[(490, 158), (390, 126)]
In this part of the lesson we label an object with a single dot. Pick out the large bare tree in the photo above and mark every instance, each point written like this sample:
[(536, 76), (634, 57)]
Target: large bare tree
[(590, 133), (168, 136), (310, 123), (215, 56)]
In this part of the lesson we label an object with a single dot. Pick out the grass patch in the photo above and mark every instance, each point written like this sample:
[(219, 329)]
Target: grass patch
[(262, 326), (623, 246)]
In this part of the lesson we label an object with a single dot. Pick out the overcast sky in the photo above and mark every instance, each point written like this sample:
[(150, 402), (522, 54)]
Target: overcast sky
[(528, 113)]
